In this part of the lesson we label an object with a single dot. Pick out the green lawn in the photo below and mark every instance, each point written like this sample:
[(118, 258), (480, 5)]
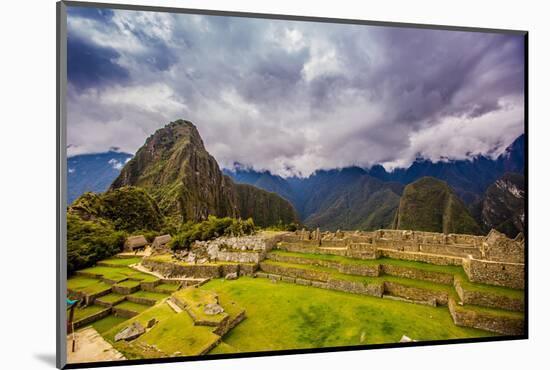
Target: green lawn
[(491, 311), (170, 287), (196, 299), (131, 306), (86, 285), (119, 273), (173, 333), (149, 295), (289, 316), (107, 323), (122, 261), (111, 298), (81, 313), (128, 284)]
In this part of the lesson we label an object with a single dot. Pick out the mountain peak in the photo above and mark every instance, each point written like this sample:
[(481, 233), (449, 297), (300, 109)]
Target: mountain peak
[(186, 181)]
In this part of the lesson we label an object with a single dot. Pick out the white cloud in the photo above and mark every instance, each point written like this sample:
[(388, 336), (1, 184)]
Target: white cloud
[(116, 164)]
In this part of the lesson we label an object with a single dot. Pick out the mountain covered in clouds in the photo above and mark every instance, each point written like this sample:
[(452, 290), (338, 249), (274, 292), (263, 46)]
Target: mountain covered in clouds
[(93, 172), (468, 178), (360, 198), (187, 183)]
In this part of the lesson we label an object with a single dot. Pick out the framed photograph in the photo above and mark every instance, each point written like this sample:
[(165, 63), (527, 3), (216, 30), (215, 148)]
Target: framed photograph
[(235, 184)]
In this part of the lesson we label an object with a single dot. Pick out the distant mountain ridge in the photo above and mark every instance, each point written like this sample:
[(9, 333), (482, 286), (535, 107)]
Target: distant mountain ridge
[(93, 172), (468, 178)]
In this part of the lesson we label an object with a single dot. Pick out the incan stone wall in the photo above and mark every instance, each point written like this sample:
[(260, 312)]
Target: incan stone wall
[(422, 257), (415, 294), (295, 272), (511, 275), (346, 268), (497, 324), (487, 299), (416, 274), (90, 319), (374, 289)]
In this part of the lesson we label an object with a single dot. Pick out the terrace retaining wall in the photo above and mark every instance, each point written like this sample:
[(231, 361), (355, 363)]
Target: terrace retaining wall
[(90, 319), (416, 294), (122, 312), (295, 272), (497, 324), (142, 300), (417, 274), (356, 287), (511, 275), (486, 299), (345, 268), (421, 257)]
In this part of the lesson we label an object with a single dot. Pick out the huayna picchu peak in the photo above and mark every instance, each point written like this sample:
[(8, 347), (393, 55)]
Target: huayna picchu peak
[(186, 181)]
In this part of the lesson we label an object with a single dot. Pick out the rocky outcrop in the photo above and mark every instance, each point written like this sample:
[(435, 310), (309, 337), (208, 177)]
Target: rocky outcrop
[(503, 207), (131, 332)]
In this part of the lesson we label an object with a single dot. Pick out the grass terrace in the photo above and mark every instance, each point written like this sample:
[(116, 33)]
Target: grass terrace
[(82, 313), (149, 295), (107, 323), (111, 298), (325, 318), (374, 262), (490, 289), (196, 299), (117, 262), (174, 333), (131, 306), (86, 285), (128, 284)]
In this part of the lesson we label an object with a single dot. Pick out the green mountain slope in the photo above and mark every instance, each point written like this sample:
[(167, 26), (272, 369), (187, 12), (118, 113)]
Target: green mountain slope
[(185, 180), (429, 204)]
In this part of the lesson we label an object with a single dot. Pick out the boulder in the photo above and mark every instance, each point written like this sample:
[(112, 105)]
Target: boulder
[(131, 332), (405, 339), (213, 309), (231, 276), (151, 323)]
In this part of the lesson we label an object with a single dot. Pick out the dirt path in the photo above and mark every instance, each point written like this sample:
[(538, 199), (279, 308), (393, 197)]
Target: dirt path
[(90, 347)]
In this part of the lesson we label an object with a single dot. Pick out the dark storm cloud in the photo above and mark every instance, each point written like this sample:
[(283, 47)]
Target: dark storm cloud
[(89, 65), (282, 95)]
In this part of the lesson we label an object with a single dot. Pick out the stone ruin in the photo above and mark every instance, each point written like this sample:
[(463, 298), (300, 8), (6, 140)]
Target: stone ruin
[(491, 259)]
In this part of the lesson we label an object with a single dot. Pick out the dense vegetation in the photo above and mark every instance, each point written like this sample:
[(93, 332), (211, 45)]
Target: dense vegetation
[(97, 224), (429, 204), (128, 208), (212, 228), (90, 241)]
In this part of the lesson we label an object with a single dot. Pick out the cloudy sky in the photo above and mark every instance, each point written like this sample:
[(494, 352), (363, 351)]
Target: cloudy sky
[(292, 97)]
